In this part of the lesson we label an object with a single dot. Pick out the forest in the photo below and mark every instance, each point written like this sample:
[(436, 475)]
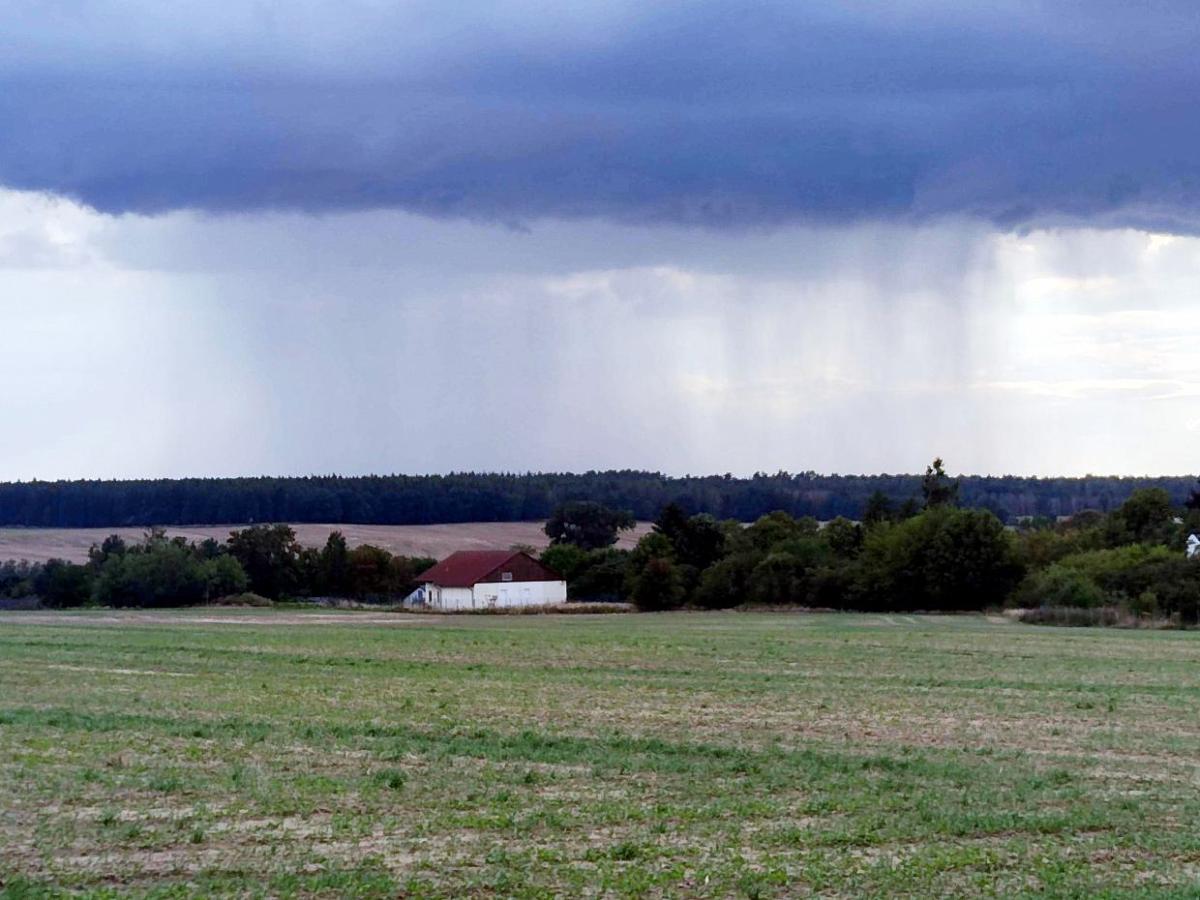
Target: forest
[(925, 553), (500, 497)]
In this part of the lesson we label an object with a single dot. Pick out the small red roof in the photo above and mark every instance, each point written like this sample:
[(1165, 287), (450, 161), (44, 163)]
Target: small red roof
[(466, 568)]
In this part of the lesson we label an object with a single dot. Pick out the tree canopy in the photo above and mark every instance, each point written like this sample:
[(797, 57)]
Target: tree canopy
[(587, 525), (501, 497)]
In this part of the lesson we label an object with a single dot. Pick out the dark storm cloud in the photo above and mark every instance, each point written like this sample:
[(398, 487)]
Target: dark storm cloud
[(718, 113)]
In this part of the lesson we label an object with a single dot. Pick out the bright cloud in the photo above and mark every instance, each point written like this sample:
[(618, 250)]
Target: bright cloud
[(376, 341)]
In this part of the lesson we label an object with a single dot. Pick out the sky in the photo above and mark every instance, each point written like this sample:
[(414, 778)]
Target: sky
[(267, 238)]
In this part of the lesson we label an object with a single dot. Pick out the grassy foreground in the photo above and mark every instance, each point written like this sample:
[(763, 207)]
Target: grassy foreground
[(293, 754)]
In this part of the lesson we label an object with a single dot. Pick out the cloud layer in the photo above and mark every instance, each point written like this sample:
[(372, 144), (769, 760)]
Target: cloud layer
[(714, 113), (188, 344)]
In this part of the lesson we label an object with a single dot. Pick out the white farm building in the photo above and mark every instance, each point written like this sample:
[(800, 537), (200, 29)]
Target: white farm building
[(488, 579)]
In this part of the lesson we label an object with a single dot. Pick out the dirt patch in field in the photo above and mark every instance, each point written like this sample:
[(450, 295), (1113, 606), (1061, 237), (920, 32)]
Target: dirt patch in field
[(105, 671), (438, 541)]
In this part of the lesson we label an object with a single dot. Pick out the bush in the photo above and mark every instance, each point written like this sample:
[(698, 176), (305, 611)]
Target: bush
[(1146, 517), (1039, 547), (726, 584), (941, 559), (223, 575), (1139, 579), (774, 528), (1122, 572), (270, 555), (696, 541), (658, 586), (568, 560), (159, 574), (845, 538), (1173, 590), (600, 577), (779, 578), (1060, 586), (835, 587), (162, 572), (16, 578), (62, 585)]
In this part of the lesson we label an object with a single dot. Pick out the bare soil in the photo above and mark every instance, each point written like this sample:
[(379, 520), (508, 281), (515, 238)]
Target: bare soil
[(438, 541)]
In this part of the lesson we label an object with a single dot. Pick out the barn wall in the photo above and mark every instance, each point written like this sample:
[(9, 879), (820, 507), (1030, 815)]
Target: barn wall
[(519, 593), (452, 598)]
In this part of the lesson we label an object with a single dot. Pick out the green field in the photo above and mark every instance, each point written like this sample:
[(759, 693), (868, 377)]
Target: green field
[(296, 754)]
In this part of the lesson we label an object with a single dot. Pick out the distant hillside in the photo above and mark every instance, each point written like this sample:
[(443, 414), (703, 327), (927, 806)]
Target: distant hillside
[(438, 541), (484, 497)]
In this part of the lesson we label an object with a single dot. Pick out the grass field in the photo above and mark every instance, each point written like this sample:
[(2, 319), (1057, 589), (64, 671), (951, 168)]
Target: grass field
[(438, 541), (296, 754)]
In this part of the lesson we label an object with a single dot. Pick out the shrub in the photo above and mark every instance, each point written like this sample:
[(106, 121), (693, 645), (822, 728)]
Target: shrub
[(1060, 586), (162, 572), (658, 586), (223, 575), (270, 554), (376, 574), (779, 578), (696, 541), (1146, 517), (565, 559), (158, 574), (601, 577), (943, 558), (726, 584), (1122, 572), (1140, 579), (16, 578), (775, 528), (845, 538), (835, 587), (62, 585), (1039, 547), (1173, 590)]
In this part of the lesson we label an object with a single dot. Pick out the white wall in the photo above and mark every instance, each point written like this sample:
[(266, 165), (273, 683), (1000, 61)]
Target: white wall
[(450, 597), (507, 594), (497, 595)]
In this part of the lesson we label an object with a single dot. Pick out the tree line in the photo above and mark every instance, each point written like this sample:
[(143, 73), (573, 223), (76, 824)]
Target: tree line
[(500, 497), (925, 553), (931, 551), (255, 565)]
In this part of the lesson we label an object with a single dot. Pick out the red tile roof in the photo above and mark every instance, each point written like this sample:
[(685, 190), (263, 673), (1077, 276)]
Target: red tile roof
[(466, 568)]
